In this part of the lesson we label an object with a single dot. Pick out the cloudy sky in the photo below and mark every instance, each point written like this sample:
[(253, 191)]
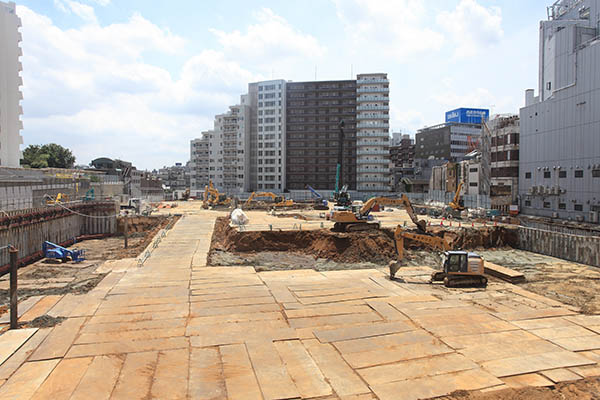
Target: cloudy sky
[(138, 79)]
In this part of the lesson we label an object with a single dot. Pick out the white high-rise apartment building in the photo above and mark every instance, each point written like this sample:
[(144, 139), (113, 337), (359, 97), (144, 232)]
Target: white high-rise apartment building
[(199, 164), (10, 83), (267, 135), (234, 127), (372, 133)]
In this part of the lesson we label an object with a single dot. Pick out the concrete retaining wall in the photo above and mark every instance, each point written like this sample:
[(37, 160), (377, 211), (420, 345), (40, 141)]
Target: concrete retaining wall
[(577, 248), (28, 229)]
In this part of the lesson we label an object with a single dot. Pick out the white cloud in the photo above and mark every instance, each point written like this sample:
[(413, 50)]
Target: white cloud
[(90, 89), (83, 11), (396, 28), (270, 41), (472, 26), (477, 97), (102, 3)]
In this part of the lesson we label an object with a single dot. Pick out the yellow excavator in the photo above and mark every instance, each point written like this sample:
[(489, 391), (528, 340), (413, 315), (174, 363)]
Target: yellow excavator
[(456, 204), (60, 198), (213, 198), (358, 220), (278, 201)]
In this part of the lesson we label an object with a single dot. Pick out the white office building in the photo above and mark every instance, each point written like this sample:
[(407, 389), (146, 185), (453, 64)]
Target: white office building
[(372, 133), (10, 83)]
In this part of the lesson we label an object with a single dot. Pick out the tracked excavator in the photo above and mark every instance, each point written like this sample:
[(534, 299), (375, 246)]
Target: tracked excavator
[(358, 220), (212, 197), (278, 201)]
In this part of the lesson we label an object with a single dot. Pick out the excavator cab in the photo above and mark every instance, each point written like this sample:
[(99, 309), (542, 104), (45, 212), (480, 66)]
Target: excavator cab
[(461, 268)]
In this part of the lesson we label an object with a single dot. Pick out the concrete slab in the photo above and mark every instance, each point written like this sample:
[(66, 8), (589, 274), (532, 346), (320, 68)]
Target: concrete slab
[(385, 309), (541, 313), (341, 377), (135, 378), (58, 342), (116, 336), (22, 308), (581, 343), (346, 319), (224, 338), (96, 349), (319, 311), (10, 365), (561, 375), (63, 380), (12, 340), (520, 381), (491, 339), (273, 378), (587, 371), (413, 369), (395, 354), (362, 294), (27, 379), (206, 379), (99, 379), (471, 329), (171, 375), (424, 388), (533, 363), (489, 352), (126, 326), (562, 332), (382, 342), (543, 323), (40, 308), (363, 331), (197, 310), (240, 380), (303, 370)]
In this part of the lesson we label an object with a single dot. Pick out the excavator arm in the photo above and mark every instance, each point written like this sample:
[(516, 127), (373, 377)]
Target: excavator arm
[(402, 201), (430, 241), (455, 203)]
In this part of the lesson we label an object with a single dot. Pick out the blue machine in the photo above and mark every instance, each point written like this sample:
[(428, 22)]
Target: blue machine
[(320, 202), (52, 250)]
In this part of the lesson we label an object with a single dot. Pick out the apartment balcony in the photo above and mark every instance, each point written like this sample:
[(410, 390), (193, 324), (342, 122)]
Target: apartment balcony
[(374, 126), (372, 171), (372, 152), (371, 98), (372, 143), (372, 179), (372, 161), (370, 134), (363, 188), (368, 81), (372, 108), (372, 90), (373, 116)]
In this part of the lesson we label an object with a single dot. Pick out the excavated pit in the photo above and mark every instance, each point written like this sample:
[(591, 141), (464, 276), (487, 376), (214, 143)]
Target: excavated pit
[(325, 250)]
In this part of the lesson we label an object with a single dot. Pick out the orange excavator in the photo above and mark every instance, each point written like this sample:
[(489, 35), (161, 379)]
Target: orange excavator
[(358, 219), (212, 197), (278, 201)]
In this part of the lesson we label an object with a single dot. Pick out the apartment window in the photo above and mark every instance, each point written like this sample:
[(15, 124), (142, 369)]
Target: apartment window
[(562, 206), (547, 174), (578, 207), (596, 173), (527, 175), (562, 174), (579, 174), (546, 204), (473, 170), (527, 203), (473, 184)]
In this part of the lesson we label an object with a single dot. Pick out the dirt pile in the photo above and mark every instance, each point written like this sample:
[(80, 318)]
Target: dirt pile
[(585, 389), (375, 246)]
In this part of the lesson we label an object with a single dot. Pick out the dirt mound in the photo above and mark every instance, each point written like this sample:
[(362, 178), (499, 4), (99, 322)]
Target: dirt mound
[(45, 321), (375, 246)]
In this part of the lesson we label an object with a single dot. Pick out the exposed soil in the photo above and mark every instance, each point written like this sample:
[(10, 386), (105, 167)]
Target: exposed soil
[(52, 277), (585, 389), (45, 321), (568, 282), (323, 249)]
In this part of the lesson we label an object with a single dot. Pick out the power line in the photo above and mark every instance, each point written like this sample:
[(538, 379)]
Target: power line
[(78, 213)]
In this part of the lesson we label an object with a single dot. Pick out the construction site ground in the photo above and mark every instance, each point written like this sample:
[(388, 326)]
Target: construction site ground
[(175, 328)]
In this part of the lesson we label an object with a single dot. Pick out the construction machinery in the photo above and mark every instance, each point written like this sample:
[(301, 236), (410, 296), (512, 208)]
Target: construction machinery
[(278, 201), (319, 202), (457, 203), (341, 195), (89, 195), (212, 197), (430, 241), (461, 268), (55, 251), (358, 219), (60, 198)]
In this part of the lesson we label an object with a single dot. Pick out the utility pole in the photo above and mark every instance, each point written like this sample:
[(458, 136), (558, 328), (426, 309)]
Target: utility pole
[(14, 314), (339, 184)]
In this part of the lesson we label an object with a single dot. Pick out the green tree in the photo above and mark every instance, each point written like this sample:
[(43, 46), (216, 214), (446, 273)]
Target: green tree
[(49, 155)]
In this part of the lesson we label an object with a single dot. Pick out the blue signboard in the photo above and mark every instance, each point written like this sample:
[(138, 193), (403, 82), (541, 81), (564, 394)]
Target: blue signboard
[(468, 115)]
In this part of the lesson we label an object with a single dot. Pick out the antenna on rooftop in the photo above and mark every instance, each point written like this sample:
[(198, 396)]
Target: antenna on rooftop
[(315, 72)]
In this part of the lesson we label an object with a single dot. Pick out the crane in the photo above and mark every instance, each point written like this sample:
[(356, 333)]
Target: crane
[(319, 202), (350, 220), (278, 201)]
